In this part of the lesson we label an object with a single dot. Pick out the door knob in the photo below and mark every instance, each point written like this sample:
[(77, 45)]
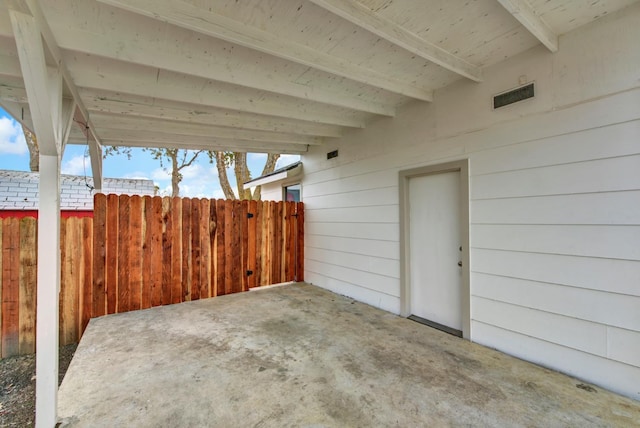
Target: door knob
[(460, 263)]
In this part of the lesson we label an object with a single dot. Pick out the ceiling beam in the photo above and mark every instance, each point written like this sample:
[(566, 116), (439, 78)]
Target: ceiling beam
[(9, 66), (362, 16), (212, 144), (110, 35), (115, 104), (43, 84), (20, 112), (526, 15), (166, 138), (107, 75), (209, 22), (49, 40), (136, 107), (134, 124), (10, 91)]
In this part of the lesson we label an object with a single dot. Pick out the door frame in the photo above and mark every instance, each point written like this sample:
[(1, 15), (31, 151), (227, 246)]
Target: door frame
[(461, 166)]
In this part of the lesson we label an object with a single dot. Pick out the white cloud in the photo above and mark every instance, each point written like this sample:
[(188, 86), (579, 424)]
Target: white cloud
[(218, 194), (137, 175), (256, 157), (12, 140), (198, 181), (77, 165), (160, 174)]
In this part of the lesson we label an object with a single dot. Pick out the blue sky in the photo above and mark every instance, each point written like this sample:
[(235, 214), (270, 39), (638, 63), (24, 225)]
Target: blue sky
[(200, 179)]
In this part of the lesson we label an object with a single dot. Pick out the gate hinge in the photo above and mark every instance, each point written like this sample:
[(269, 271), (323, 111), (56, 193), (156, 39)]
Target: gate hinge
[(249, 272)]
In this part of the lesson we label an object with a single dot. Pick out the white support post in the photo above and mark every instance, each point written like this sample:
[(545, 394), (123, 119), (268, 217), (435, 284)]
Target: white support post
[(44, 89), (48, 292)]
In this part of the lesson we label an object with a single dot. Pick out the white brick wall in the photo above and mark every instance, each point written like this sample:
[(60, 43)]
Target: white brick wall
[(19, 190)]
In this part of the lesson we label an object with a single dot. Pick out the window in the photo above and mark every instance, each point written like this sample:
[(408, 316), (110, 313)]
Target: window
[(292, 193)]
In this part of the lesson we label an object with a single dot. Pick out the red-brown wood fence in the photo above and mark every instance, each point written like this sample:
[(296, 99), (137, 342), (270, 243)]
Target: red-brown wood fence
[(138, 252)]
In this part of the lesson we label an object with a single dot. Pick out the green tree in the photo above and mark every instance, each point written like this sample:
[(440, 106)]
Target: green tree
[(175, 160), (34, 151), (238, 161)]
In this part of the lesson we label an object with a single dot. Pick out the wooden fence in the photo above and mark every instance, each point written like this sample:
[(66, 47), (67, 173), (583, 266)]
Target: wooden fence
[(138, 252)]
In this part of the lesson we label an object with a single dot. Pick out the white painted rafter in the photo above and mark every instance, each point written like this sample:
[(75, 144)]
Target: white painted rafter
[(526, 15), (166, 138), (32, 7), (213, 24), (179, 112), (117, 104), (363, 17), (216, 144), (119, 41), (107, 75), (19, 111), (133, 127)]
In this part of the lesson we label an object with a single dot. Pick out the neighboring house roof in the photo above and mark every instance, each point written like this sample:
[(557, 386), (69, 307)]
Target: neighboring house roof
[(19, 190), (279, 174)]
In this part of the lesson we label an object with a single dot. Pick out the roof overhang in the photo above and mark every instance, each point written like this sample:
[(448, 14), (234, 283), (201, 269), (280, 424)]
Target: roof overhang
[(281, 174)]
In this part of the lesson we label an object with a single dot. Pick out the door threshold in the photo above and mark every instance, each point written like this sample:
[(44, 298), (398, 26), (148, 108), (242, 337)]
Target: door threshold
[(433, 324)]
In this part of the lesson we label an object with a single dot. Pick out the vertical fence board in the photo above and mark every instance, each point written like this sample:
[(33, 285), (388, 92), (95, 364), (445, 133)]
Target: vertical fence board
[(28, 276), (176, 252), (155, 225), (228, 250), (86, 296), (213, 224), (68, 281), (10, 287), (111, 280), (135, 253), (289, 267), (205, 246), (221, 245), (124, 248), (244, 243), (147, 221), (277, 251), (251, 243), (259, 239), (187, 266), (267, 243), (194, 218), (99, 297), (237, 273), (300, 243), (167, 215)]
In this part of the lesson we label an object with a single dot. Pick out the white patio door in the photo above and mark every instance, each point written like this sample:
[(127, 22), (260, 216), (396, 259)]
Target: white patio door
[(435, 250)]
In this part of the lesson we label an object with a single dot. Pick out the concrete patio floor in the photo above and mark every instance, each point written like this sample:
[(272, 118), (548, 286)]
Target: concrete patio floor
[(300, 356)]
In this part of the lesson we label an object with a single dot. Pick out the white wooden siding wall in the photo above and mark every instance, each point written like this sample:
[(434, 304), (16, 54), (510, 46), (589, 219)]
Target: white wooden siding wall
[(271, 191), (555, 204)]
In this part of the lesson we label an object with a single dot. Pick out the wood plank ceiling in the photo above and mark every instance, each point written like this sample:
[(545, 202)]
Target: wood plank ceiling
[(276, 75)]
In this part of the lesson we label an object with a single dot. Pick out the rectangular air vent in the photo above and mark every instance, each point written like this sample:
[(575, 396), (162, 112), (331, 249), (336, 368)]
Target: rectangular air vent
[(333, 154), (513, 96)]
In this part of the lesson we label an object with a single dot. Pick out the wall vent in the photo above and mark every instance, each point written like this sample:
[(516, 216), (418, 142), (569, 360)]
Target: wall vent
[(513, 96)]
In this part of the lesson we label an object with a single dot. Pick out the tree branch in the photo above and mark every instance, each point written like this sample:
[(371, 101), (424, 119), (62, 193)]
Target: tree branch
[(221, 165)]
